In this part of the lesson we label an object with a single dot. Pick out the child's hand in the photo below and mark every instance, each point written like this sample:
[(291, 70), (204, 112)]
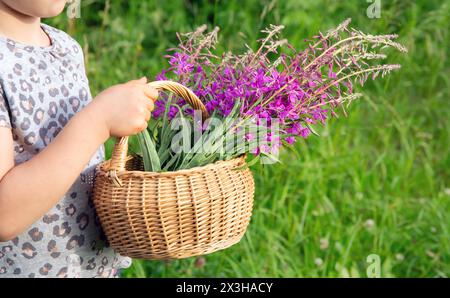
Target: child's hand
[(126, 108)]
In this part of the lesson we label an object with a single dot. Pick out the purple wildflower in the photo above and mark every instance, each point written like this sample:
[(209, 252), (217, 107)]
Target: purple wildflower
[(299, 88)]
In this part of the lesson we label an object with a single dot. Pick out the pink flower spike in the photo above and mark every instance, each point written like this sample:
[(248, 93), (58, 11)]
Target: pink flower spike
[(290, 140), (256, 151)]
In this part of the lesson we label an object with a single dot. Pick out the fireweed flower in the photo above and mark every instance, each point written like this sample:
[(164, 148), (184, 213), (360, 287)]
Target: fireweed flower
[(299, 88)]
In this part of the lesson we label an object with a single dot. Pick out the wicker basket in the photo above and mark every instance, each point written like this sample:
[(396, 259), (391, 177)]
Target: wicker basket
[(172, 215)]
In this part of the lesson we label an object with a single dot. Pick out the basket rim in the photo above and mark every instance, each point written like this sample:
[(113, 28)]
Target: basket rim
[(103, 168)]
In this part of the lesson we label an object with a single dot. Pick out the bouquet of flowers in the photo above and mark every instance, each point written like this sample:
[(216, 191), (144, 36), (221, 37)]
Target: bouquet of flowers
[(260, 100), (191, 199)]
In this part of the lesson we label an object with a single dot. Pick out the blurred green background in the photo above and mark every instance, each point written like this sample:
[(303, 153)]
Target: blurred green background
[(375, 182)]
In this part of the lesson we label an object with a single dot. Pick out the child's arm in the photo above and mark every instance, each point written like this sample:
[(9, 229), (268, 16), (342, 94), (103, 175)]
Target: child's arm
[(32, 188)]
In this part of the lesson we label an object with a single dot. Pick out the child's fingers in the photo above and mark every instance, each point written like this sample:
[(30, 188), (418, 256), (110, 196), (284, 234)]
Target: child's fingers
[(149, 104), (151, 92), (140, 81), (148, 115)]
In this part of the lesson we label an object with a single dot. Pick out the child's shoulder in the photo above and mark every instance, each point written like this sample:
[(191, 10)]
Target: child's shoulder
[(61, 41), (60, 36)]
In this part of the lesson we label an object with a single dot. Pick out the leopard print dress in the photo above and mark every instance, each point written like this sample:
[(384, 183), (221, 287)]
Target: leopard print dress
[(41, 88)]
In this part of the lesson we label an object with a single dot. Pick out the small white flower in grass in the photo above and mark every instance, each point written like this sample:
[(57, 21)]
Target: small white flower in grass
[(433, 230), (399, 257), (324, 243), (338, 246), (447, 191), (431, 254), (369, 224), (318, 262)]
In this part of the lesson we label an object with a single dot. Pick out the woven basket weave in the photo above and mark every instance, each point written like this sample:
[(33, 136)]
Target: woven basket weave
[(172, 215)]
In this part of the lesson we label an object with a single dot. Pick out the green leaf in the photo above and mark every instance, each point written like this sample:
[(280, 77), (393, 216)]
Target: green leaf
[(150, 156), (312, 129)]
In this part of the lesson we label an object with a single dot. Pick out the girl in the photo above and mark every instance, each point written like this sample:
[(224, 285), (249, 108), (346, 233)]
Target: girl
[(51, 137)]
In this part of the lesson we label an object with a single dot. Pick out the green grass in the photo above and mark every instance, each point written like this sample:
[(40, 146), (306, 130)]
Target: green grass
[(376, 182)]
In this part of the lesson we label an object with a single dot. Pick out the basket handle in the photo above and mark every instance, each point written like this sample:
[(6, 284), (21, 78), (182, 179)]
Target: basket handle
[(120, 152)]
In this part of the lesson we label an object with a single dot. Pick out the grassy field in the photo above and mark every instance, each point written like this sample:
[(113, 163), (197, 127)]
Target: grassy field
[(376, 182)]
